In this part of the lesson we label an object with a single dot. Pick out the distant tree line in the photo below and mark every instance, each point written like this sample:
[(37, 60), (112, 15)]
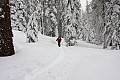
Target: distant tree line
[(99, 24), (50, 17)]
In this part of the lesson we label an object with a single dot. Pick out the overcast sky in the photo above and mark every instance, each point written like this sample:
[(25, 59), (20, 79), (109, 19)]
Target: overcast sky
[(83, 3)]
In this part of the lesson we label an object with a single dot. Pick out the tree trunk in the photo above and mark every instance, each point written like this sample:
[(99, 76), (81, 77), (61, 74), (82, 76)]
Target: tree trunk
[(59, 23), (44, 18), (59, 28), (6, 43)]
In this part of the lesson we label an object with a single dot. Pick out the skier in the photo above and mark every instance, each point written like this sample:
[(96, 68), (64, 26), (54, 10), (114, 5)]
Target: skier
[(59, 40)]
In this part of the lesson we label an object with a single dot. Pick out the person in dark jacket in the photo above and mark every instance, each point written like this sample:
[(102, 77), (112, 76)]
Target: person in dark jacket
[(59, 40)]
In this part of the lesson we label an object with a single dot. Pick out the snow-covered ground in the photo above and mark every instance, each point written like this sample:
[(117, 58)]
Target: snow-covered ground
[(44, 60)]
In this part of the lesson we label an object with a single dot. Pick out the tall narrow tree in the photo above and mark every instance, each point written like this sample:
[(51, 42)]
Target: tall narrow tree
[(6, 43)]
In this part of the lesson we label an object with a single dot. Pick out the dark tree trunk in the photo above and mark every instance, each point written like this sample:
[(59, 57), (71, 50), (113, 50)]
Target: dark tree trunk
[(6, 43), (60, 28), (59, 13)]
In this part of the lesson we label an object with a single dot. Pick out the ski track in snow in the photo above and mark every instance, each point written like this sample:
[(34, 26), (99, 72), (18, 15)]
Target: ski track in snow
[(44, 60), (36, 72)]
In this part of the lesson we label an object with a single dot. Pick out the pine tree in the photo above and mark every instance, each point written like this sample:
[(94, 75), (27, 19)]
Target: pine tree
[(18, 15), (97, 21), (72, 19), (32, 29), (112, 15), (32, 19)]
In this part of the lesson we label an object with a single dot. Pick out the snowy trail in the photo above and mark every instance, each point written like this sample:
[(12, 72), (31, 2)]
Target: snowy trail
[(44, 60), (36, 72), (79, 63)]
